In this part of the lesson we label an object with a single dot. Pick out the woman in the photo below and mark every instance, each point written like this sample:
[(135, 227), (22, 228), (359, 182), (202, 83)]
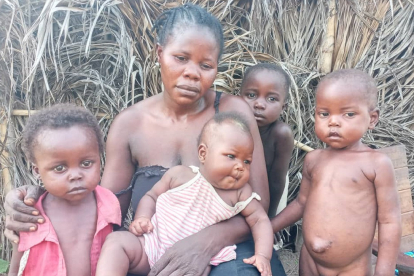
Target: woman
[(160, 132)]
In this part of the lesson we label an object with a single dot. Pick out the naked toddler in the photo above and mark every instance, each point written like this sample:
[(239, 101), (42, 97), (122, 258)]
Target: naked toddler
[(347, 187)]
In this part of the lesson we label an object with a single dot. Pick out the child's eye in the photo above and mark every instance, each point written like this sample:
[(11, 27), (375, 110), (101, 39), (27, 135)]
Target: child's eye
[(350, 114), (231, 156), (247, 162), (86, 164), (59, 168), (272, 99), (251, 95), (323, 114)]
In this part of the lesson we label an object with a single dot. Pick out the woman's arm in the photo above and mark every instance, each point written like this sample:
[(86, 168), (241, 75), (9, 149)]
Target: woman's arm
[(258, 175), (192, 255), (119, 165), (277, 176)]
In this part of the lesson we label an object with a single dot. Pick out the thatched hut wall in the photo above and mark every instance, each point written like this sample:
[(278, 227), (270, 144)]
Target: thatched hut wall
[(100, 54)]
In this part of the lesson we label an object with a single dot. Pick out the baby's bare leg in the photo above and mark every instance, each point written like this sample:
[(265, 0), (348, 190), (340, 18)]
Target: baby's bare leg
[(122, 252), (307, 266)]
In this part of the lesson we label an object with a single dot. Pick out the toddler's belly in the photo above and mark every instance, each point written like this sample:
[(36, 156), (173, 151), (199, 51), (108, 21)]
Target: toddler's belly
[(336, 231)]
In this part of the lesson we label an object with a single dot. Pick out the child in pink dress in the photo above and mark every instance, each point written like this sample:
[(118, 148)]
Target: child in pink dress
[(188, 199), (64, 144)]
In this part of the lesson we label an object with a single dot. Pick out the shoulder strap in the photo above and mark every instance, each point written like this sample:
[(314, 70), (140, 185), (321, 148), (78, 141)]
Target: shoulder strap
[(242, 204), (217, 101), (194, 169)]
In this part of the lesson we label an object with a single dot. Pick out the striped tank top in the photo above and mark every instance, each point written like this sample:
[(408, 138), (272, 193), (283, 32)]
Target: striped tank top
[(184, 211)]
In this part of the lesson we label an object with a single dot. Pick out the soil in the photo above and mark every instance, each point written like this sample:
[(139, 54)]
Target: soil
[(290, 259)]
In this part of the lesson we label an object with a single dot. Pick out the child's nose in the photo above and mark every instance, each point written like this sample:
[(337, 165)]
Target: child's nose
[(239, 166), (259, 104), (333, 121), (75, 174)]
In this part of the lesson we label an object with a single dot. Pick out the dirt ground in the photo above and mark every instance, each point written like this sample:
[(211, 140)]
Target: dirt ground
[(289, 259)]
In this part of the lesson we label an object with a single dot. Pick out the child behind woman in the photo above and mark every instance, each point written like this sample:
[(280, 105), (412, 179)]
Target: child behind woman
[(265, 88), (64, 144), (188, 199), (346, 188)]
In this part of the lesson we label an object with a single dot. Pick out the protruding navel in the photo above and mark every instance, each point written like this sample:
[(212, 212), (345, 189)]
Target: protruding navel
[(320, 245)]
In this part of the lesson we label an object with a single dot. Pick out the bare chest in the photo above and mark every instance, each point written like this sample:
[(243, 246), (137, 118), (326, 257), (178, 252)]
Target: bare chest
[(269, 152), (349, 182), (75, 235), (166, 144)]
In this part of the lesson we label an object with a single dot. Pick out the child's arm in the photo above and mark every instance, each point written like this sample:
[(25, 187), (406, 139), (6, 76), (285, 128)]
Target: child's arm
[(389, 217), (280, 165), (146, 206), (15, 261), (294, 211), (262, 233)]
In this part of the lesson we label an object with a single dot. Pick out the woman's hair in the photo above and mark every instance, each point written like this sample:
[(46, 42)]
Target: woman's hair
[(185, 16), (59, 116), (269, 67)]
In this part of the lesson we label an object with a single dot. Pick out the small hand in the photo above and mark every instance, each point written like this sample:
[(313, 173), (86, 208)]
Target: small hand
[(262, 264), (20, 216), (140, 226)]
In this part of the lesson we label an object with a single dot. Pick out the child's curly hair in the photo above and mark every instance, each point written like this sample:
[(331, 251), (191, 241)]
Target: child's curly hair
[(55, 117)]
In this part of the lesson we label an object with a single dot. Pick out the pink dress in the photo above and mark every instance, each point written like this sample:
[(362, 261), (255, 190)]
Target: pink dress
[(184, 211)]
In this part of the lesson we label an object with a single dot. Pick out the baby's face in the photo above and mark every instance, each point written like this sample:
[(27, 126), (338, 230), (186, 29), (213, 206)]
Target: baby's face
[(226, 157), (68, 162), (265, 93), (342, 114)]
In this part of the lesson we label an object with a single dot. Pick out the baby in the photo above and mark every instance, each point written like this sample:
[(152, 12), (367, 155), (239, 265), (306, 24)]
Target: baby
[(265, 88), (64, 143), (346, 188), (188, 199)]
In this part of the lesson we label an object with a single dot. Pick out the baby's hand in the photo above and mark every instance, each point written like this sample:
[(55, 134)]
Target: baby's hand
[(262, 264), (140, 226)]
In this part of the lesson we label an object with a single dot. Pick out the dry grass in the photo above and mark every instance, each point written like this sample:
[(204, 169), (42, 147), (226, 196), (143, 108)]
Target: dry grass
[(100, 54)]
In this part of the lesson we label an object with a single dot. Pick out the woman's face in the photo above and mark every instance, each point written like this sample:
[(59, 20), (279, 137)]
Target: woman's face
[(188, 63)]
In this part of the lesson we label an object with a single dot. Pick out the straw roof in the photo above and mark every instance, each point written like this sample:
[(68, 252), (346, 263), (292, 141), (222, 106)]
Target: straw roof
[(100, 54)]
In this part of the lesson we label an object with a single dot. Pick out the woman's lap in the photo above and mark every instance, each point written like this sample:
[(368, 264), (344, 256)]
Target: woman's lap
[(239, 268)]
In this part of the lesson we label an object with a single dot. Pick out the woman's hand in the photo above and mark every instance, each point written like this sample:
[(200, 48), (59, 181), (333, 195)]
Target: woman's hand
[(188, 257), (20, 215)]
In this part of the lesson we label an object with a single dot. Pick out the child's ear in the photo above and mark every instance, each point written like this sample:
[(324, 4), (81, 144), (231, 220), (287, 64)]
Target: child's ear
[(35, 171), (374, 117), (202, 152)]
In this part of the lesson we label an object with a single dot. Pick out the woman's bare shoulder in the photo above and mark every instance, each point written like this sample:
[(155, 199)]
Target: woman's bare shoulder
[(282, 132), (230, 102), (135, 113)]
